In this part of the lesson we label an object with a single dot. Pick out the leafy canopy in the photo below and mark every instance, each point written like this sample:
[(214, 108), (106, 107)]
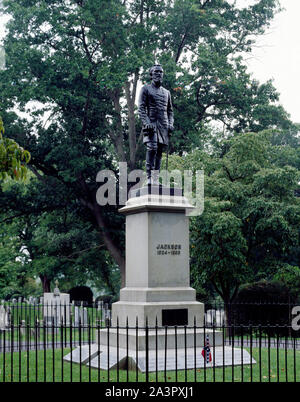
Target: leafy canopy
[(12, 157)]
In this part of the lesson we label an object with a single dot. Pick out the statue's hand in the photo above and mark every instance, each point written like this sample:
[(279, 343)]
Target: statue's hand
[(148, 128), (170, 130)]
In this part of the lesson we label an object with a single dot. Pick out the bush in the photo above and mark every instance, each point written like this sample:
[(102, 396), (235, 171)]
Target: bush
[(80, 294), (109, 299), (263, 303)]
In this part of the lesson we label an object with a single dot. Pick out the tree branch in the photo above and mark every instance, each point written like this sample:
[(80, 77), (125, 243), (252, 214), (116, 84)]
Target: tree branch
[(83, 251)]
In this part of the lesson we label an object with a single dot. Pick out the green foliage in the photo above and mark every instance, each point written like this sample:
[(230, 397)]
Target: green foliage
[(11, 268), (265, 292), (12, 157), (290, 276), (250, 225)]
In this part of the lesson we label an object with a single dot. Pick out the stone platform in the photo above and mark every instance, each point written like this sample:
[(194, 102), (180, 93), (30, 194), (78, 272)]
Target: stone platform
[(110, 358), (157, 339)]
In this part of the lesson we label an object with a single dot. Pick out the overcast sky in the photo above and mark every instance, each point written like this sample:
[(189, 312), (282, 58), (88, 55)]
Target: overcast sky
[(276, 56)]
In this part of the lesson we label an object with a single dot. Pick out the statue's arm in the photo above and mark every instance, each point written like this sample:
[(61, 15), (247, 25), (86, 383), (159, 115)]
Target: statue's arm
[(170, 112), (142, 107)]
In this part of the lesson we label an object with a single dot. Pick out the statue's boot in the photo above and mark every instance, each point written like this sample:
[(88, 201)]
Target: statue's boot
[(150, 164), (157, 166)]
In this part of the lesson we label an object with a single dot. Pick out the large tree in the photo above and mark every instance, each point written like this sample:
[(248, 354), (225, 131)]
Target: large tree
[(82, 60), (249, 229), (13, 158)]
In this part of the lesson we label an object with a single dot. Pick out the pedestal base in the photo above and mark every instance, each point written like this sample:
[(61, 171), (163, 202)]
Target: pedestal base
[(139, 339), (171, 359), (168, 313)]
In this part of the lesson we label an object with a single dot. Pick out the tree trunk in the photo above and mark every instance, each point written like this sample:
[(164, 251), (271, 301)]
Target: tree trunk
[(117, 137), (45, 283), (111, 246), (130, 98), (228, 317), (114, 250)]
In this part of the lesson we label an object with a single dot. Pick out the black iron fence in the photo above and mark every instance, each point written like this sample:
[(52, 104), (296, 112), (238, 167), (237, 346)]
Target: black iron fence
[(249, 312), (216, 313), (91, 353), (77, 343)]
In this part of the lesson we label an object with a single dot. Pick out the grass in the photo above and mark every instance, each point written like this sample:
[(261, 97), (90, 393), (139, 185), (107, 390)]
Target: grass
[(30, 313), (48, 335), (48, 366)]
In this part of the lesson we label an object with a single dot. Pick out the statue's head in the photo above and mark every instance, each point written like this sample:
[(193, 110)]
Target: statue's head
[(156, 74)]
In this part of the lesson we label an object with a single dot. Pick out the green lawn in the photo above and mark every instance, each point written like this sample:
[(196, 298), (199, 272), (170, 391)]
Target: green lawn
[(48, 335), (46, 366), (31, 313)]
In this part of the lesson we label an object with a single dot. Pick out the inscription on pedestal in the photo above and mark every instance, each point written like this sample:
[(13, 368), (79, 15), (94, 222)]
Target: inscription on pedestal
[(175, 317), (168, 249)]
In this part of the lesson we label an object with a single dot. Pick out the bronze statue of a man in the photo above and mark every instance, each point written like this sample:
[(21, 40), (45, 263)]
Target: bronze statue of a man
[(156, 113)]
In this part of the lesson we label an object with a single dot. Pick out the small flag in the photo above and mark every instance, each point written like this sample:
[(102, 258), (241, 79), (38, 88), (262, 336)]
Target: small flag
[(206, 351)]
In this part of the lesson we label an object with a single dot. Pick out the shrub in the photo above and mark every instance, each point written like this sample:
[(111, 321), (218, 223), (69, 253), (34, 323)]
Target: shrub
[(263, 303), (80, 294)]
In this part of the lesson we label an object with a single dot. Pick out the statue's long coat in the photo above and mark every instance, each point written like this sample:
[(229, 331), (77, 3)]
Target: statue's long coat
[(155, 106)]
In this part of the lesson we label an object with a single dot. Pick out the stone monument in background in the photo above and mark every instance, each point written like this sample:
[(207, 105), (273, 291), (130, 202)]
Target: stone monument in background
[(56, 306)]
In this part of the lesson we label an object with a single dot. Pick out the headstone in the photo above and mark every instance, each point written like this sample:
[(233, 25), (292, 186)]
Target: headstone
[(4, 321), (80, 316), (210, 317), (23, 328), (85, 317), (107, 318), (56, 308), (35, 330), (220, 318), (8, 311)]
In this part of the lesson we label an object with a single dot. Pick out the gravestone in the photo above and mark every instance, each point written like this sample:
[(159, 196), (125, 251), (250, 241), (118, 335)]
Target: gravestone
[(56, 308), (32, 300), (80, 316), (4, 319)]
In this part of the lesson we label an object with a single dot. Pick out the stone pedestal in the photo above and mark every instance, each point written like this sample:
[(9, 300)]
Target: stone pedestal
[(157, 264), (157, 311)]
